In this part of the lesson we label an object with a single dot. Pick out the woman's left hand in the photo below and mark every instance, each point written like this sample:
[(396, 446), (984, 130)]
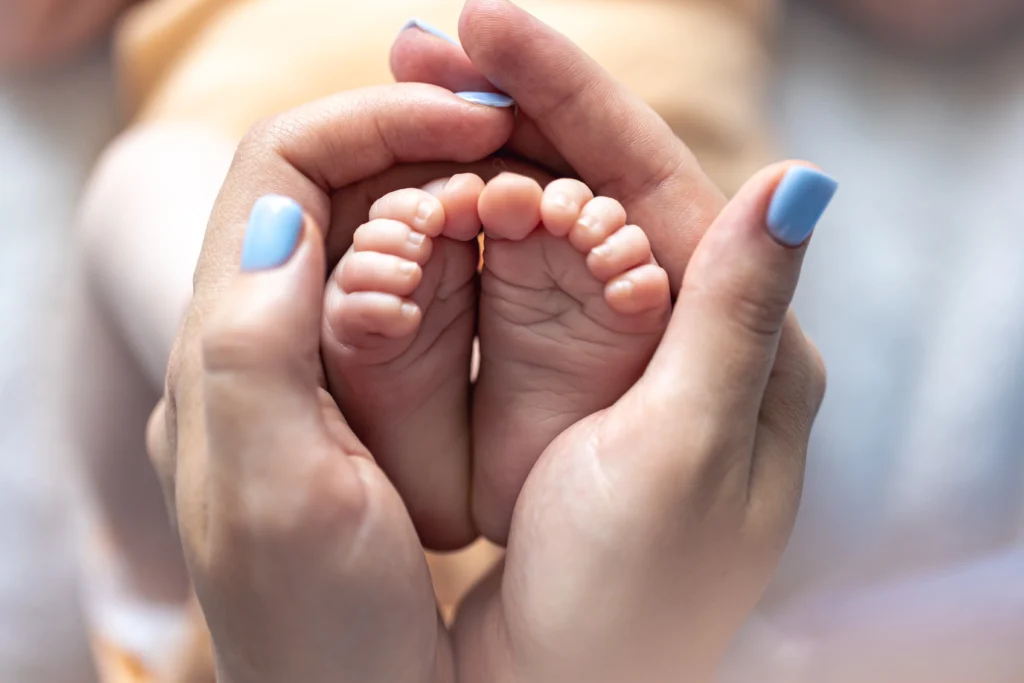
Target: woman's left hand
[(303, 556)]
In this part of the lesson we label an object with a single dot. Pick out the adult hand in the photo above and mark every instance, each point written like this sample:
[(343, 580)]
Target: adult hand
[(646, 533), (301, 552)]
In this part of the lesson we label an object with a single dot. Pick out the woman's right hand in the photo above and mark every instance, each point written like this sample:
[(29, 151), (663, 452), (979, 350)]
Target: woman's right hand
[(302, 554)]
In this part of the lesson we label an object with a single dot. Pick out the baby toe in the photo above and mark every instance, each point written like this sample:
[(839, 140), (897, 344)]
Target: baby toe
[(624, 249), (562, 203), (601, 217), (420, 210), (460, 198), (360, 319), (387, 236), (370, 271), (645, 288), (509, 206)]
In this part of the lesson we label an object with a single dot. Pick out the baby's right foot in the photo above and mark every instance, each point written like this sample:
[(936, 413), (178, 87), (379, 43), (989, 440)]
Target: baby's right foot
[(399, 320)]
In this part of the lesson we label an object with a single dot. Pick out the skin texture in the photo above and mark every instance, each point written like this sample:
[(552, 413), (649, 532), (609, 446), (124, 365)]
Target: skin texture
[(556, 344), (570, 312), (682, 493)]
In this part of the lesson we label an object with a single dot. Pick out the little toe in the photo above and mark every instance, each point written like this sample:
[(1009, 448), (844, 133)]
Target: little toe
[(460, 198), (370, 271), (601, 217), (641, 289), (386, 236), (510, 206), (624, 249), (562, 203), (420, 210), (360, 319)]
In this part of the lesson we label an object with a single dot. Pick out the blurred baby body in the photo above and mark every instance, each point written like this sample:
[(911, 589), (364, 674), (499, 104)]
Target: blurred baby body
[(197, 74)]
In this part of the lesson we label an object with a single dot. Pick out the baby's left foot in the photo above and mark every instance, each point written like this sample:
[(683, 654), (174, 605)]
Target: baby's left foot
[(572, 307)]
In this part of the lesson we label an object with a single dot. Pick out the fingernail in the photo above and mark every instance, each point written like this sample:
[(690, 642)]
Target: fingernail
[(417, 238), (427, 28), (488, 99), (800, 200), (272, 234)]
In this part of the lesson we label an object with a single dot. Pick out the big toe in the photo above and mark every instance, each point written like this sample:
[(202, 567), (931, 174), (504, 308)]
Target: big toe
[(509, 206)]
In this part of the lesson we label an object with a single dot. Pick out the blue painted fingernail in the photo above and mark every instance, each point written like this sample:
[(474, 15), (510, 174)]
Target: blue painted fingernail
[(273, 232), (488, 99), (428, 28), (800, 200)]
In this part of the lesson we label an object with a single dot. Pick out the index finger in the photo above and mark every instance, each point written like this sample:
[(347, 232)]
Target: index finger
[(310, 152), (615, 142)]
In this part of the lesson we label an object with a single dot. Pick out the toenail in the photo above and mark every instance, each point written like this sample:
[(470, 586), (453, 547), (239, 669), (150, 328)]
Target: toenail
[(425, 210), (562, 201), (407, 267), (417, 238), (588, 222), (602, 250), (409, 310), (622, 288)]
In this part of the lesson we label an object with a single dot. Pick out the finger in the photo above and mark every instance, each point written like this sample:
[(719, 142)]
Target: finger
[(792, 398), (716, 356), (427, 56), (420, 57), (617, 144), (310, 152), (261, 362)]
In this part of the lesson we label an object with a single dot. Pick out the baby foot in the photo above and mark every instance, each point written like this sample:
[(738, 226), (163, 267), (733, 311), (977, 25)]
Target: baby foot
[(399, 321), (572, 307)]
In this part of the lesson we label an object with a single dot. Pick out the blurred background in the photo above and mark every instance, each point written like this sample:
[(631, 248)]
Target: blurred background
[(907, 563)]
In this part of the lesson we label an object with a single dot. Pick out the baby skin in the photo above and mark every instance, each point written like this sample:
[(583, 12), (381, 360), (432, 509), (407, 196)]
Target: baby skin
[(568, 307)]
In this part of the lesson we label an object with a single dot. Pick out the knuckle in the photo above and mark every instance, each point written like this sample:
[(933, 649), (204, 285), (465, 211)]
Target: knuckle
[(231, 344), (758, 313), (271, 132)]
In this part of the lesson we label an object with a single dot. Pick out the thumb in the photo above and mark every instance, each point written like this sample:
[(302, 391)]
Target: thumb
[(260, 347), (716, 357)]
